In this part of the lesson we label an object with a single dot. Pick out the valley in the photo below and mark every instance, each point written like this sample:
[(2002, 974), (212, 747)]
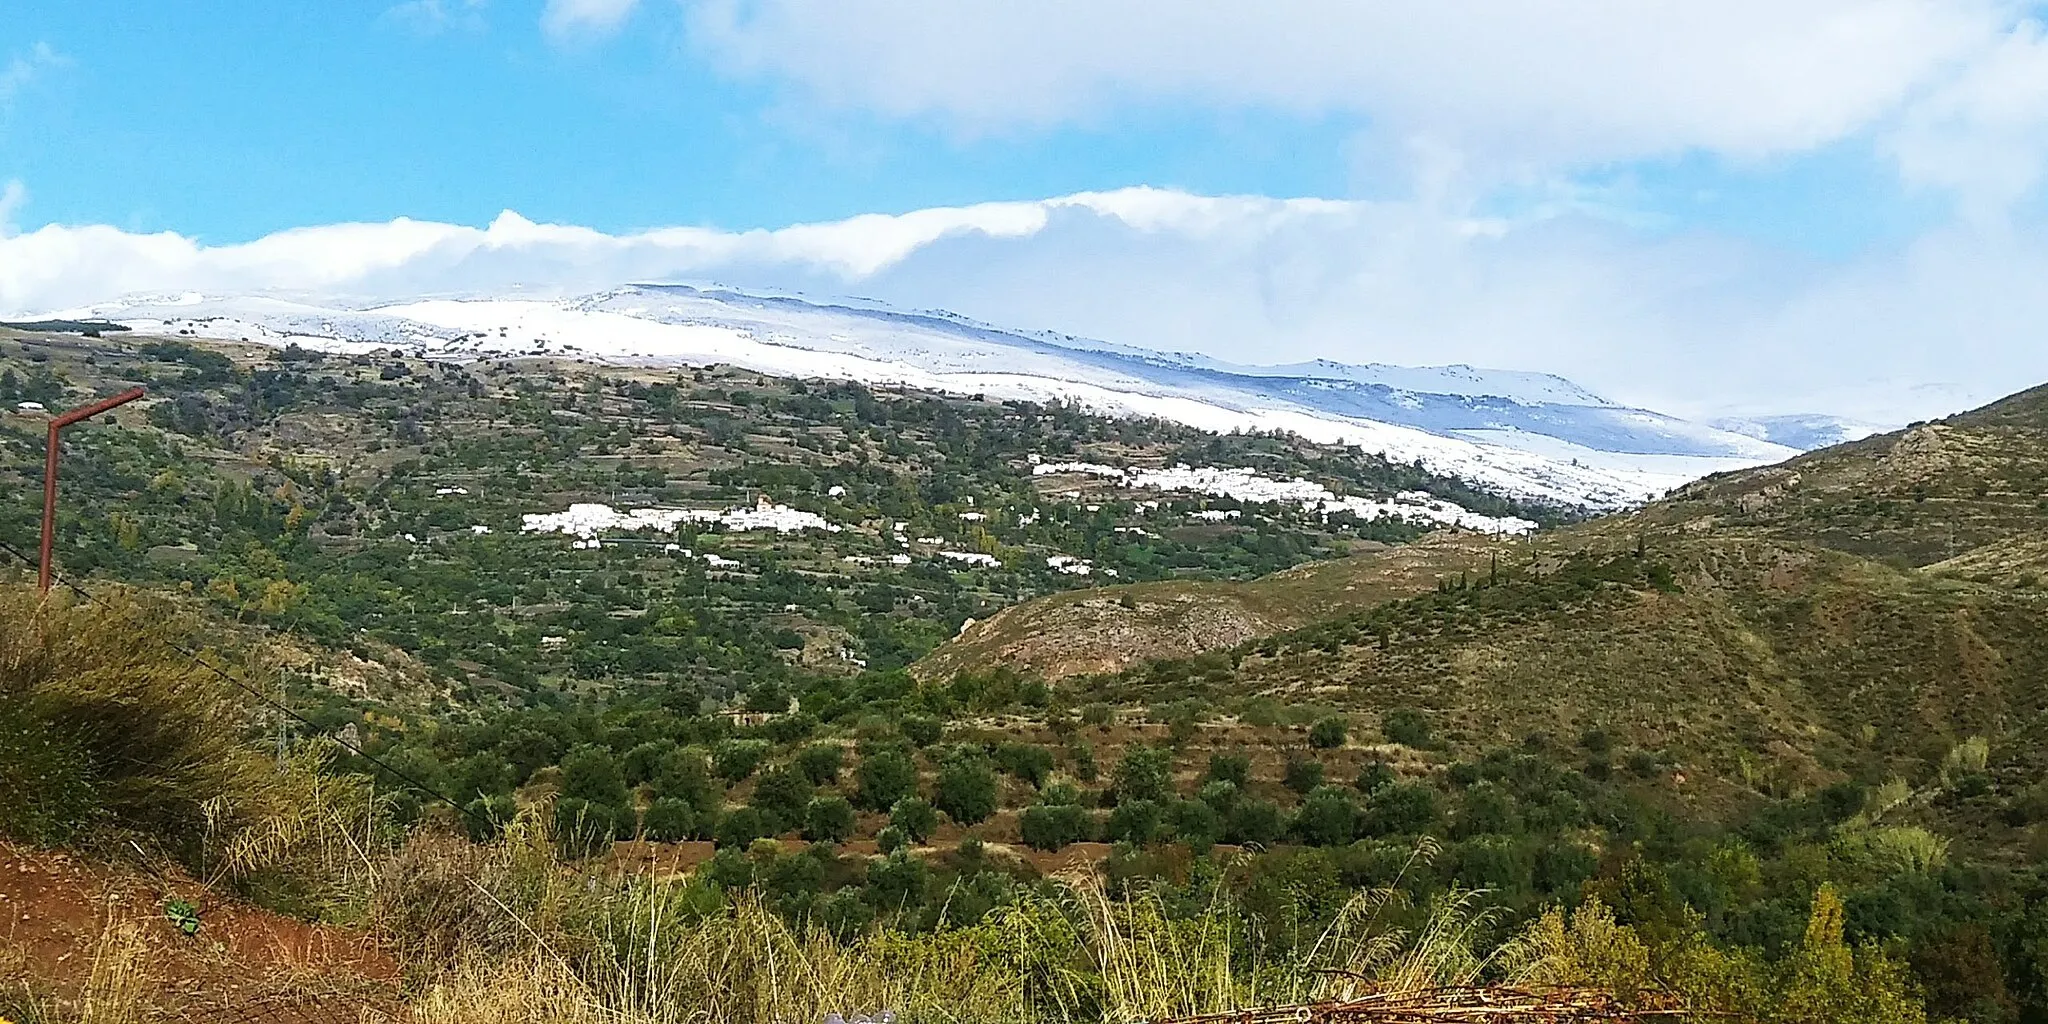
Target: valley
[(892, 661)]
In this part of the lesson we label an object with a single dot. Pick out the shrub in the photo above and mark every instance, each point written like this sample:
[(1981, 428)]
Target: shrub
[(583, 828), (103, 724), (967, 788), (1406, 726), (1404, 808), (897, 882), (1373, 776), (1326, 818), (828, 819), (1196, 823), (1137, 822), (1302, 774), (820, 762), (684, 775), (590, 774), (642, 762), (1032, 764), (737, 759), (781, 794), (890, 839), (921, 731), (884, 777), (1145, 773), (738, 829), (1235, 769), (914, 818), (1255, 821), (1052, 826), (669, 820), (1328, 733)]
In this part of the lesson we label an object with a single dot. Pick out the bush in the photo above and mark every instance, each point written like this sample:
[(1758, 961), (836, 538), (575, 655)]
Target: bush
[(781, 794), (890, 839), (921, 731), (1052, 826), (1407, 727), (967, 788), (1235, 769), (1137, 822), (669, 820), (590, 774), (684, 775), (1030, 763), (1255, 821), (885, 776), (737, 759), (820, 762), (1302, 774), (1328, 733), (584, 828), (642, 762), (1404, 808), (1196, 823), (738, 829), (828, 819), (914, 818), (102, 724), (1373, 776), (1326, 818), (1145, 773)]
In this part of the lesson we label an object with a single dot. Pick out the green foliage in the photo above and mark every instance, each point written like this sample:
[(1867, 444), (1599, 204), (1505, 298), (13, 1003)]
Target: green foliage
[(737, 759), (915, 818), (1404, 808), (1052, 826), (820, 762), (781, 794), (1144, 773), (1232, 768), (669, 820), (1328, 733), (828, 819), (1138, 821), (1406, 726), (885, 776), (967, 787), (1327, 817), (1302, 773)]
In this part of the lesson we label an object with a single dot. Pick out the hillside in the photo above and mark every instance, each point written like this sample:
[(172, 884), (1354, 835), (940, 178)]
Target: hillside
[(1964, 498), (557, 664), (1531, 435), (472, 528)]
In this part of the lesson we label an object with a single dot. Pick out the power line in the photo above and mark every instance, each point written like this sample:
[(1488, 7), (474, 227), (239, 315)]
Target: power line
[(278, 705)]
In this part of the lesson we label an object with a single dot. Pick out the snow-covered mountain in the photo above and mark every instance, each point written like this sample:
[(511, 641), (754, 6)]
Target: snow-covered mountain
[(1805, 431), (1528, 434)]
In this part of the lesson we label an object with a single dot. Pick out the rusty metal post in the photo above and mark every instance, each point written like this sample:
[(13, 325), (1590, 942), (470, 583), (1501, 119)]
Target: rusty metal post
[(50, 474)]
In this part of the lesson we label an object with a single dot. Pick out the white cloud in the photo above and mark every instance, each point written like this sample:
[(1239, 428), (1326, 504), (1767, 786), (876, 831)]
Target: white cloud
[(1691, 324), (13, 195), (1533, 82), (1984, 132), (432, 17), (21, 69), (566, 19)]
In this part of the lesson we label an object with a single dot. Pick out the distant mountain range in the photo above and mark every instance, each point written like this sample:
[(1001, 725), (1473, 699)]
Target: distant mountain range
[(1531, 435)]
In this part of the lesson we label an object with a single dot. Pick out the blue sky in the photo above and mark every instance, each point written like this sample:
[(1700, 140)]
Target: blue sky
[(1752, 205), (232, 120), (254, 117)]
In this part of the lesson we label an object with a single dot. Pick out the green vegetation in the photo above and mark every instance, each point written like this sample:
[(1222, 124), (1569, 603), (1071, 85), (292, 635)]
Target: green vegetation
[(1727, 750)]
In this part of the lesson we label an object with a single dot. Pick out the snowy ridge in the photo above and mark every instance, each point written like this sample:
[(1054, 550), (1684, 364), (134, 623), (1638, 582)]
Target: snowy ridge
[(1525, 434)]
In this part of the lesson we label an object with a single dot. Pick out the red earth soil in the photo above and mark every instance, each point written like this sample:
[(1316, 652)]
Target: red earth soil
[(244, 965)]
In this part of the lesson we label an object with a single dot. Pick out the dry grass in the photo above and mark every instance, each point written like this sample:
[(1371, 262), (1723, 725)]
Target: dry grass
[(119, 978)]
